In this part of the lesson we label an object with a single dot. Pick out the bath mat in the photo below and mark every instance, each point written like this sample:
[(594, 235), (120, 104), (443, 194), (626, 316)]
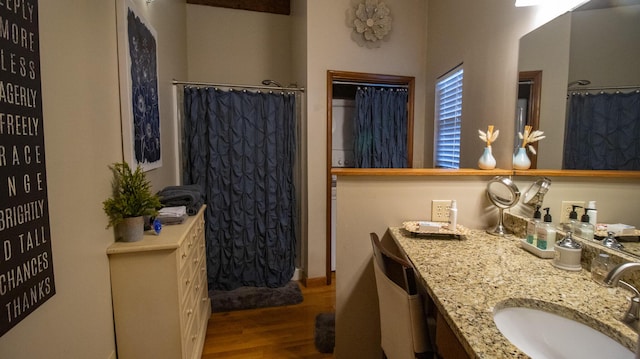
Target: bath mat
[(255, 297), (325, 333)]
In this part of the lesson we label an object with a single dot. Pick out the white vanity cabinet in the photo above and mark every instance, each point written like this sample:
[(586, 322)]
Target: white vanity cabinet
[(161, 303)]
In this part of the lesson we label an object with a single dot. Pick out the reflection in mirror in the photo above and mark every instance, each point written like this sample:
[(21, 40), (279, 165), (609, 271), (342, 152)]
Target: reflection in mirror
[(596, 43), (534, 195), (528, 108)]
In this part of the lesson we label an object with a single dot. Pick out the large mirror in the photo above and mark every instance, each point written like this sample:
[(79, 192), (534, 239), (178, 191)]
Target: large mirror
[(590, 51)]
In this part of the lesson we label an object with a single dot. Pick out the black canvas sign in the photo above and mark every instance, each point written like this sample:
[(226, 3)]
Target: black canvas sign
[(26, 264)]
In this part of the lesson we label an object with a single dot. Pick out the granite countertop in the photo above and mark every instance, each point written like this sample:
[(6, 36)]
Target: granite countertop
[(468, 278)]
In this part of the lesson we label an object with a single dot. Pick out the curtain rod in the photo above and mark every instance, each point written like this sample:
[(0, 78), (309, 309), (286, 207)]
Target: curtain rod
[(578, 89), (376, 84), (272, 88)]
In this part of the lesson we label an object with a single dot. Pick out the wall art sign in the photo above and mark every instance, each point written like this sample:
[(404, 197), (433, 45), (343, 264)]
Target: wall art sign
[(140, 107), (26, 263)]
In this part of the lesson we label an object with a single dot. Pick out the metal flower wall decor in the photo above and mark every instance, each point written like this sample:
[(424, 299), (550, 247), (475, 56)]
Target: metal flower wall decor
[(371, 22)]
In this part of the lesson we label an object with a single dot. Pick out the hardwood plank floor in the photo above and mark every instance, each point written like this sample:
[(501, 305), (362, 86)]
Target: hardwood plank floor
[(279, 332)]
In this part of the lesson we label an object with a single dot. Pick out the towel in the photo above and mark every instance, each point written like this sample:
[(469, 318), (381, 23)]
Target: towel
[(189, 196)]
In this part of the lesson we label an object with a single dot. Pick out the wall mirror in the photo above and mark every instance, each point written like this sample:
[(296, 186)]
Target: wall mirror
[(589, 51)]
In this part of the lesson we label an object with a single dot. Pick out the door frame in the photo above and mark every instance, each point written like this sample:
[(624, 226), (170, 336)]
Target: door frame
[(365, 79)]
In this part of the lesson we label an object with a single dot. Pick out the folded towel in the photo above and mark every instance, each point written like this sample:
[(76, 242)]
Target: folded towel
[(189, 196)]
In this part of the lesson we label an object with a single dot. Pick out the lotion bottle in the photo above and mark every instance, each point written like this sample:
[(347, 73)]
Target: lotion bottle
[(453, 215), (545, 232), (531, 226)]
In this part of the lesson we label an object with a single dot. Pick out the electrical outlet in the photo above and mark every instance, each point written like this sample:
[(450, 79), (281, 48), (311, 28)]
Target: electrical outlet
[(440, 210), (567, 207)]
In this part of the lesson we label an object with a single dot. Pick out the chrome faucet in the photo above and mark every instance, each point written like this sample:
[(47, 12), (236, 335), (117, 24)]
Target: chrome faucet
[(632, 317)]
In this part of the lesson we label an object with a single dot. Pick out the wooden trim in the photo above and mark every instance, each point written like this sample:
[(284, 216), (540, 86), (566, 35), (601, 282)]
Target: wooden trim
[(437, 172), (282, 7), (315, 282), (419, 172), (329, 164), (533, 115), (579, 173)]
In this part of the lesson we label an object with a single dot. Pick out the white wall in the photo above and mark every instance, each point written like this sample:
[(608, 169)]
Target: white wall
[(483, 35), (301, 48), (81, 117), (238, 46), (546, 49), (330, 47), (595, 57)]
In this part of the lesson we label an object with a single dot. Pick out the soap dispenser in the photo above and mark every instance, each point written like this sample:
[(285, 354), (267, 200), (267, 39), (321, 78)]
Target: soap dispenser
[(585, 229), (531, 226), (545, 233), (567, 254)]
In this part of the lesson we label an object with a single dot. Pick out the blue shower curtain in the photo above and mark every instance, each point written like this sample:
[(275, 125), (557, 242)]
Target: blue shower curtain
[(381, 128), (603, 132), (240, 148)]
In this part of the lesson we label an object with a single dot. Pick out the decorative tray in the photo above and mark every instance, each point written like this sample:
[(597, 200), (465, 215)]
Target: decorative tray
[(435, 230), (620, 230)]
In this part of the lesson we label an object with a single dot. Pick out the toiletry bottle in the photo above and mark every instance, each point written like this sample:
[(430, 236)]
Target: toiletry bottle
[(453, 215), (545, 232), (600, 266), (593, 214), (531, 226), (584, 229)]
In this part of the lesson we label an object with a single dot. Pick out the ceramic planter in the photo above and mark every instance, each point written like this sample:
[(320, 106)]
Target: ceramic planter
[(131, 229)]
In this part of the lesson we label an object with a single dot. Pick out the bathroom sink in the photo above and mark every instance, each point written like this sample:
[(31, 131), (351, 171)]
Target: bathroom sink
[(542, 335)]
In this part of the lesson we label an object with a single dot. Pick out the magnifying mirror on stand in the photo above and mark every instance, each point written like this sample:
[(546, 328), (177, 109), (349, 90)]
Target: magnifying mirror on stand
[(504, 194), (535, 193)]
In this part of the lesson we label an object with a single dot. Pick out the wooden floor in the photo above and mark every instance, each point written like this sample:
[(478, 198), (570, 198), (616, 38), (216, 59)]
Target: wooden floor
[(279, 332)]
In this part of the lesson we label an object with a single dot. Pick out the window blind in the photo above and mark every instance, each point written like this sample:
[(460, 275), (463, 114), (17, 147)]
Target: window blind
[(448, 119)]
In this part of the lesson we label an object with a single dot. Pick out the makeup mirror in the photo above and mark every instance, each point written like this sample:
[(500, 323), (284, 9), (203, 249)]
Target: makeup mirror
[(504, 194)]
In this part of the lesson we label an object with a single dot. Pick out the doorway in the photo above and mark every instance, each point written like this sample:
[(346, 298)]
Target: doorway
[(341, 86)]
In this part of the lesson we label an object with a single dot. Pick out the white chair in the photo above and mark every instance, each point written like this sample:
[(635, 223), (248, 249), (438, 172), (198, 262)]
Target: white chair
[(403, 321)]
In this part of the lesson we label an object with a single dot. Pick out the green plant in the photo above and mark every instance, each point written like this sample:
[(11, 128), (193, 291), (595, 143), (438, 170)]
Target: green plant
[(131, 195)]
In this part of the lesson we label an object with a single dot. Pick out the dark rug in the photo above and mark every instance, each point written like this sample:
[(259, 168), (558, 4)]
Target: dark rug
[(325, 334), (254, 297)]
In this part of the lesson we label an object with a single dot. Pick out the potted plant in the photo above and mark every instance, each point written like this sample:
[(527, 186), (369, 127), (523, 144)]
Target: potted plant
[(131, 200)]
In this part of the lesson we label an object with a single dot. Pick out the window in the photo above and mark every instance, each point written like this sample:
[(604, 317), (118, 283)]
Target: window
[(447, 119)]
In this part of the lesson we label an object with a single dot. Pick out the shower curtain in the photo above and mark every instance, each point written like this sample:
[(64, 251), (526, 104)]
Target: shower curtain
[(239, 147), (603, 132), (381, 128)]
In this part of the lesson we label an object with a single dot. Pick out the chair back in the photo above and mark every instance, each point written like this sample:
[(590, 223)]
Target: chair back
[(403, 324)]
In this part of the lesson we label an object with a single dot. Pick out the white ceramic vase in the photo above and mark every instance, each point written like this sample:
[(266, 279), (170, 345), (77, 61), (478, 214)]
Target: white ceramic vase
[(487, 161), (520, 159)]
